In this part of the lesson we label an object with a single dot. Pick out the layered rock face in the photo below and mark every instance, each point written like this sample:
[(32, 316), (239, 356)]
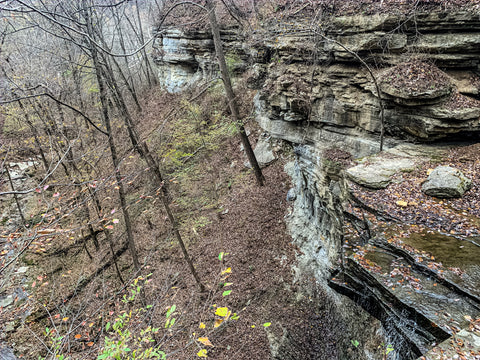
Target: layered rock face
[(326, 86), (316, 88), (319, 88)]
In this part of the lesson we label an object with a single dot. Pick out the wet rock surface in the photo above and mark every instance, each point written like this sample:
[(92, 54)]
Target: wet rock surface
[(419, 272)]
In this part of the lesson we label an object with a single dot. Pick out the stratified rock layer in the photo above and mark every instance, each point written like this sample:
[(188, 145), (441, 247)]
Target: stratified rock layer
[(314, 90)]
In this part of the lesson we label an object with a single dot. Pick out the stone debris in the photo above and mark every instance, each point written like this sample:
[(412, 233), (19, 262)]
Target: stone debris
[(6, 353)]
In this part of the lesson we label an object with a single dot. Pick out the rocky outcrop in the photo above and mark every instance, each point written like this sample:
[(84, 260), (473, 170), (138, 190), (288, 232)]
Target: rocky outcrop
[(317, 213), (185, 58), (316, 90), (263, 151), (313, 89)]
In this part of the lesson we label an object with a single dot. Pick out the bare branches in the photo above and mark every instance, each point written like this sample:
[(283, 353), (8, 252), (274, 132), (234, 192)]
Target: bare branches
[(58, 101), (66, 27), (44, 180)]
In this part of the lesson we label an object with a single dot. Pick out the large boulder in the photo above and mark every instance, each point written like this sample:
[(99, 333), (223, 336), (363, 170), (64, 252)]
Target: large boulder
[(446, 182)]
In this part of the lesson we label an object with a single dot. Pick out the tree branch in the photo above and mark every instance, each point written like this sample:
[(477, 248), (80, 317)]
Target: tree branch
[(58, 101)]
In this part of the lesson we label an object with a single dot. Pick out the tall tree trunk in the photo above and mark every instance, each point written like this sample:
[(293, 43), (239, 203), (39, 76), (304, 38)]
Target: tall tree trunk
[(163, 195), (232, 103), (113, 150), (152, 80), (144, 152)]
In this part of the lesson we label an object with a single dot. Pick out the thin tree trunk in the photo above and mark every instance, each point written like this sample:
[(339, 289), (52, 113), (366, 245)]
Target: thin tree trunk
[(150, 74), (163, 195), (108, 236), (113, 149), (144, 152), (35, 135), (229, 92)]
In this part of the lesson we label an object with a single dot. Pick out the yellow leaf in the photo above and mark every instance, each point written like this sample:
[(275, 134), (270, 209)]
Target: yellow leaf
[(221, 311), (202, 353), (65, 318), (227, 271), (402, 203), (218, 322), (205, 341), (201, 326)]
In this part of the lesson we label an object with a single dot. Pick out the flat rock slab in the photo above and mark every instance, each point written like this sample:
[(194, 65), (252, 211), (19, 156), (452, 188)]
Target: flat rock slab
[(379, 173), (22, 270), (6, 301)]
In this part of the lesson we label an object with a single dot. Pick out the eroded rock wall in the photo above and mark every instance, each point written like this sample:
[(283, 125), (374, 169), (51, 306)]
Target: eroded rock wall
[(315, 84)]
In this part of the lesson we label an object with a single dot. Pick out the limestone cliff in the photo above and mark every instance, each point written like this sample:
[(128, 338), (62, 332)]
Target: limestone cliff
[(315, 82), (314, 87)]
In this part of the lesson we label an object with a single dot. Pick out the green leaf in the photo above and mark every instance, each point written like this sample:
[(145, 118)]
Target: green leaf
[(171, 310), (355, 343), (220, 256), (227, 292), (108, 326), (267, 324)]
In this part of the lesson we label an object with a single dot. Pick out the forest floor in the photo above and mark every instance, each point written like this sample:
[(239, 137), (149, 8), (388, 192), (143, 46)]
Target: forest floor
[(236, 235)]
